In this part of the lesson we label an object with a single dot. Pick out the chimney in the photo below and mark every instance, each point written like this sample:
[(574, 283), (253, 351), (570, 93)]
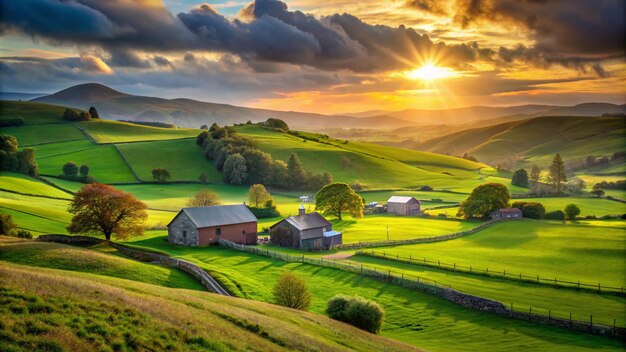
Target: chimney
[(301, 210)]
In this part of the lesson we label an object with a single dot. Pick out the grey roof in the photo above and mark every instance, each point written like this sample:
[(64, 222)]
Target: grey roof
[(400, 199), (507, 210), (219, 215), (307, 221)]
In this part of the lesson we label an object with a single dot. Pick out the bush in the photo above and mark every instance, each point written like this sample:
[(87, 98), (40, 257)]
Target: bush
[(356, 311), (531, 210), (555, 215), (24, 234), (17, 121), (572, 211), (291, 291), (426, 189), (277, 123), (261, 213), (7, 226)]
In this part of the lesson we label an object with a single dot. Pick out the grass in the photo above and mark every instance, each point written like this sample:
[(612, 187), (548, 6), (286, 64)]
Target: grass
[(53, 310), (412, 317), (24, 184), (117, 132), (43, 151), (38, 134), (589, 251), (32, 113), (558, 302), (182, 158), (106, 262), (105, 164)]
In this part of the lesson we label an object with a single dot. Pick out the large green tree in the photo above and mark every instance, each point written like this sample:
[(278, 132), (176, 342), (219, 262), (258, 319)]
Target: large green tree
[(571, 211), (520, 178), (295, 172), (557, 172), (337, 198), (258, 165), (235, 171), (484, 199), (160, 174)]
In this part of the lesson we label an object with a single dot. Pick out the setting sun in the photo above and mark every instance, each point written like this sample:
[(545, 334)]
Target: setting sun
[(430, 72)]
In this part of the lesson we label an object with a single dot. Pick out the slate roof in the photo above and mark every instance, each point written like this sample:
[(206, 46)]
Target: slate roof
[(307, 221), (400, 199), (219, 215), (507, 211)]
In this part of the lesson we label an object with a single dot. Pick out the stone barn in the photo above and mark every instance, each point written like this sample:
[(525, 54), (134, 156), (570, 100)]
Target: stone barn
[(506, 213), (305, 231), (202, 226), (403, 205)]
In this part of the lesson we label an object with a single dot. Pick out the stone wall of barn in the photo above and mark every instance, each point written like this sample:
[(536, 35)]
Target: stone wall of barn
[(182, 231)]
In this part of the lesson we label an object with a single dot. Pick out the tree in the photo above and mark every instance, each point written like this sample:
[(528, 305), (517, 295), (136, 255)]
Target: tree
[(204, 198), (357, 311), (533, 210), (484, 199), (557, 172), (204, 177), (84, 170), (535, 173), (597, 190), (555, 215), (575, 185), (258, 165), (7, 226), (280, 177), (102, 209), (291, 291), (337, 198), (94, 113), (204, 127), (26, 162), (257, 194), (160, 174), (295, 171), (235, 171), (201, 137), (520, 178), (571, 211), (70, 169), (276, 123)]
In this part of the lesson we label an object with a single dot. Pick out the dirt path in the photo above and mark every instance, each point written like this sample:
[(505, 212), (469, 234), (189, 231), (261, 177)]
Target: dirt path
[(340, 256)]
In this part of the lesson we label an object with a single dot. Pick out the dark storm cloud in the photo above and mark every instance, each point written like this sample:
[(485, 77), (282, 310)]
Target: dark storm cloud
[(267, 32), (572, 33)]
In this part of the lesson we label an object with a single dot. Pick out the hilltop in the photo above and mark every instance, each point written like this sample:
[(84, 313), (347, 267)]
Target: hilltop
[(193, 113)]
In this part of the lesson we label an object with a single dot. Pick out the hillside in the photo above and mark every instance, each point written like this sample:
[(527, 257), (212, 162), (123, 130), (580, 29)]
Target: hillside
[(76, 311), (116, 105), (535, 140)]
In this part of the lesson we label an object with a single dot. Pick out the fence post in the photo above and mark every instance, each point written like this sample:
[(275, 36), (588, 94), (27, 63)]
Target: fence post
[(504, 272), (599, 290), (555, 280)]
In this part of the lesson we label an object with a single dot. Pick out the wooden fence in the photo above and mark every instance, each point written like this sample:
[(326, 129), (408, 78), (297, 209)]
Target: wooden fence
[(445, 291), (493, 273)]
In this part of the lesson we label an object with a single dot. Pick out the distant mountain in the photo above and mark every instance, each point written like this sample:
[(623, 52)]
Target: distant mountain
[(116, 105), (484, 115), (20, 96), (535, 140)]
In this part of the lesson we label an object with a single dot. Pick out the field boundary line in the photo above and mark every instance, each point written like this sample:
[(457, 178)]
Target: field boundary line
[(470, 270), (443, 291), (127, 163), (33, 195)]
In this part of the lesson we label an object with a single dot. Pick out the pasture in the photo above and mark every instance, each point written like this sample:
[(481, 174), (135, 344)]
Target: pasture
[(104, 131)]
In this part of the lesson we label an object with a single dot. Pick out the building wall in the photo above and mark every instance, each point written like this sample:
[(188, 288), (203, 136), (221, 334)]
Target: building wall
[(410, 208), (244, 233), (293, 232), (182, 231)]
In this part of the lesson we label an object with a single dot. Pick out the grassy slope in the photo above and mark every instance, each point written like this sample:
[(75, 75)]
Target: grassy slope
[(182, 158), (32, 113), (47, 308), (411, 316), (104, 262), (115, 132), (573, 251), (25, 184), (38, 134), (537, 139)]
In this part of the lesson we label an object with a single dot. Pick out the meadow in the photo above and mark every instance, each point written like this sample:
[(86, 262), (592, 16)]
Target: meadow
[(104, 131)]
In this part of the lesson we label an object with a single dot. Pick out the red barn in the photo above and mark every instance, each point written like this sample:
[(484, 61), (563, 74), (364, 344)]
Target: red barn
[(201, 226)]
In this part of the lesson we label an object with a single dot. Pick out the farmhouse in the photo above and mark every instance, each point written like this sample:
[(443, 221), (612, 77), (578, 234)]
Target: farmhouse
[(201, 226), (305, 231), (403, 205), (506, 213)]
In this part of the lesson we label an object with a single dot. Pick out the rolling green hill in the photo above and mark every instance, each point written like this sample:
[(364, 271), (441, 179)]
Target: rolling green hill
[(59, 310), (537, 140)]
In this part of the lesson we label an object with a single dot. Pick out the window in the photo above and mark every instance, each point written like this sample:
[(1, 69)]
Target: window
[(184, 234), (218, 231), (243, 232)]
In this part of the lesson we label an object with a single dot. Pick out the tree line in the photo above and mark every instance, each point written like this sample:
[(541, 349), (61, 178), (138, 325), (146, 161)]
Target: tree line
[(243, 163), (12, 159)]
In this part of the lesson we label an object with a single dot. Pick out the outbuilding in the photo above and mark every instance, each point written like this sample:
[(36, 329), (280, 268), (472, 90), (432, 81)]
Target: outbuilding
[(305, 231), (400, 205), (202, 226), (506, 213)]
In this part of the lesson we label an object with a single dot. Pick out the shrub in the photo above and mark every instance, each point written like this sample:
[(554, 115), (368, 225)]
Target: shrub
[(261, 213), (70, 169), (6, 224), (17, 121), (533, 210), (426, 189), (572, 211), (24, 234), (277, 123), (555, 215), (291, 291), (356, 311)]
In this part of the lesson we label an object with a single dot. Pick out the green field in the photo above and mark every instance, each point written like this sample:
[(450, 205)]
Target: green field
[(588, 206), (38, 134), (412, 317), (33, 113), (589, 251), (24, 184), (117, 132), (182, 158), (57, 310)]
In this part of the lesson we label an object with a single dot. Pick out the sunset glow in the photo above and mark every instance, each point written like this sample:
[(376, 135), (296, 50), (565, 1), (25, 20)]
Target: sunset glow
[(430, 72)]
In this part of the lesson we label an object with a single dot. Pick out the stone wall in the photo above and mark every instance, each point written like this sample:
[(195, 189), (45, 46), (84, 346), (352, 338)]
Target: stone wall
[(182, 231)]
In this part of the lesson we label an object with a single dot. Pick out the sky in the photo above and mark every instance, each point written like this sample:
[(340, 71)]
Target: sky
[(332, 56)]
